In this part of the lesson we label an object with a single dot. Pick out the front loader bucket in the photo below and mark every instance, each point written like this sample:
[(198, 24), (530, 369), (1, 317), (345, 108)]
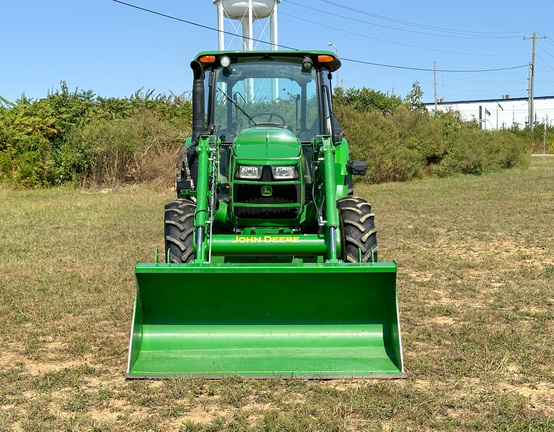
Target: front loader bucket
[(263, 320)]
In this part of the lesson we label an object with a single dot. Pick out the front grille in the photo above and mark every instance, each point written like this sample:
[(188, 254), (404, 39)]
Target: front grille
[(281, 194)]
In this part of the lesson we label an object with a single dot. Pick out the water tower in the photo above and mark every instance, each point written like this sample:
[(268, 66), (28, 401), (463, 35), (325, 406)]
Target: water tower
[(247, 11)]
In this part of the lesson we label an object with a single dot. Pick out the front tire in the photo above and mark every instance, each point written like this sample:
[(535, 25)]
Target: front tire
[(178, 230), (358, 232)]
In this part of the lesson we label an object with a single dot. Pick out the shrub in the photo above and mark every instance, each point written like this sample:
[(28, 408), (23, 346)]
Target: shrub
[(408, 144), (364, 99), (25, 130), (78, 137), (476, 151), (378, 140), (420, 132), (121, 151), (539, 140)]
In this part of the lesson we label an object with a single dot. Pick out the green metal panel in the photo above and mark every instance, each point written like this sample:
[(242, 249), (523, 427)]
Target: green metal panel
[(259, 320), (263, 143), (342, 177), (286, 244)]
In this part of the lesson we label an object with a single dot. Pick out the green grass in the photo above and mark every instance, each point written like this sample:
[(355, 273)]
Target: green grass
[(476, 298)]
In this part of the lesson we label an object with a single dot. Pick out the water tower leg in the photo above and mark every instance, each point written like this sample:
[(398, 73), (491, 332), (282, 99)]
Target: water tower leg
[(274, 46), (245, 34), (250, 26), (273, 29), (220, 27)]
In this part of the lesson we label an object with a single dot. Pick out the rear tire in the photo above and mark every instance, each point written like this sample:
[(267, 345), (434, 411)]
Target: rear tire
[(358, 232), (178, 230)]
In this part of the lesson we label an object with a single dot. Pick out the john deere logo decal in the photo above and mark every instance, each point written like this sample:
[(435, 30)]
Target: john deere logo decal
[(267, 191)]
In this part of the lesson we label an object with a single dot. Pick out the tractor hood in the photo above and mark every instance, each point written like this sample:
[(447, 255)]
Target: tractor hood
[(264, 143)]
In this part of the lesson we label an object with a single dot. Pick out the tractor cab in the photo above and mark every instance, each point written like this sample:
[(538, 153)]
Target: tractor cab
[(266, 108), (277, 89)]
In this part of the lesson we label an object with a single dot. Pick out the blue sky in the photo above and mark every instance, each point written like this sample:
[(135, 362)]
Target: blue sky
[(115, 50)]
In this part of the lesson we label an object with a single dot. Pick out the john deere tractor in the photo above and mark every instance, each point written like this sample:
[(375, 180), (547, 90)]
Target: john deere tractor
[(271, 261)]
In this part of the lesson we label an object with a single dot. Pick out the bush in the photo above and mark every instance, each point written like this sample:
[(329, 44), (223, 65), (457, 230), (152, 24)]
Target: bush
[(476, 151), (25, 130), (122, 151), (78, 137), (378, 140), (421, 133), (407, 144), (364, 100), (539, 141)]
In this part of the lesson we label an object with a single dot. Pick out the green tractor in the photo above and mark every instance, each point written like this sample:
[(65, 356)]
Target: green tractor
[(271, 261)]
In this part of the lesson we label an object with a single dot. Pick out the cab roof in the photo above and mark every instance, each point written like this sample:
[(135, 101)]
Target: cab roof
[(331, 66)]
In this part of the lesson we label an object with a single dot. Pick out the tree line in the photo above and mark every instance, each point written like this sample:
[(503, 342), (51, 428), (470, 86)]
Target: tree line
[(80, 138)]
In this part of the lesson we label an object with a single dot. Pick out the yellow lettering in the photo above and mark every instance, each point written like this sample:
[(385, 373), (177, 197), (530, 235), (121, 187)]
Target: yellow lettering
[(267, 239), (244, 239)]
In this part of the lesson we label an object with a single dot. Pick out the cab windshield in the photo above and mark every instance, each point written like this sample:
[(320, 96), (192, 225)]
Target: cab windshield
[(255, 93)]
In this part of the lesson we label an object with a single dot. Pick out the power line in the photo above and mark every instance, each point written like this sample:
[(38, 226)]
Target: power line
[(542, 49), (545, 62), (407, 23), (432, 70), (296, 49), (390, 42), (549, 41), (461, 35)]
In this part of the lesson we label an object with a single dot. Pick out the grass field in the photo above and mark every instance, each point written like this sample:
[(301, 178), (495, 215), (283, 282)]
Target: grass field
[(476, 297)]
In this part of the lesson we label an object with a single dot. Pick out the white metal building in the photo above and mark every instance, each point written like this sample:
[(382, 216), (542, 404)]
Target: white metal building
[(501, 113)]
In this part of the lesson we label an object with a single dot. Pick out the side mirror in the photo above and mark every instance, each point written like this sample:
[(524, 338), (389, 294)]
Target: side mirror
[(356, 167)]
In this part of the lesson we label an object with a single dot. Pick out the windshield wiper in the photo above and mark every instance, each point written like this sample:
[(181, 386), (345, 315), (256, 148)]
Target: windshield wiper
[(238, 106)]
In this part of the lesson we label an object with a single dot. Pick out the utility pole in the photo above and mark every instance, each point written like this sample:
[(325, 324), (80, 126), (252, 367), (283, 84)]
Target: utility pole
[(435, 78), (532, 80)]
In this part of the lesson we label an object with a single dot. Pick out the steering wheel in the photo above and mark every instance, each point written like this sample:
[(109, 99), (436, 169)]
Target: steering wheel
[(270, 117)]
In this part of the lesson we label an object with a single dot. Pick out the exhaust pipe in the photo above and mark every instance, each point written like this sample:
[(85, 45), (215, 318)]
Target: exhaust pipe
[(198, 123)]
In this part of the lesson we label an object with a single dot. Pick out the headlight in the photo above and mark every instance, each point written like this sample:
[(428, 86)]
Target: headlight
[(224, 61), (250, 172), (284, 172)]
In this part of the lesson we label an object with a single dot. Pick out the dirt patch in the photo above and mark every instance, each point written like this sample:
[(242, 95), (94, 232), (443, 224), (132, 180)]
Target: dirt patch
[(9, 358), (540, 396), (100, 416), (498, 250), (49, 354), (205, 416), (442, 320)]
